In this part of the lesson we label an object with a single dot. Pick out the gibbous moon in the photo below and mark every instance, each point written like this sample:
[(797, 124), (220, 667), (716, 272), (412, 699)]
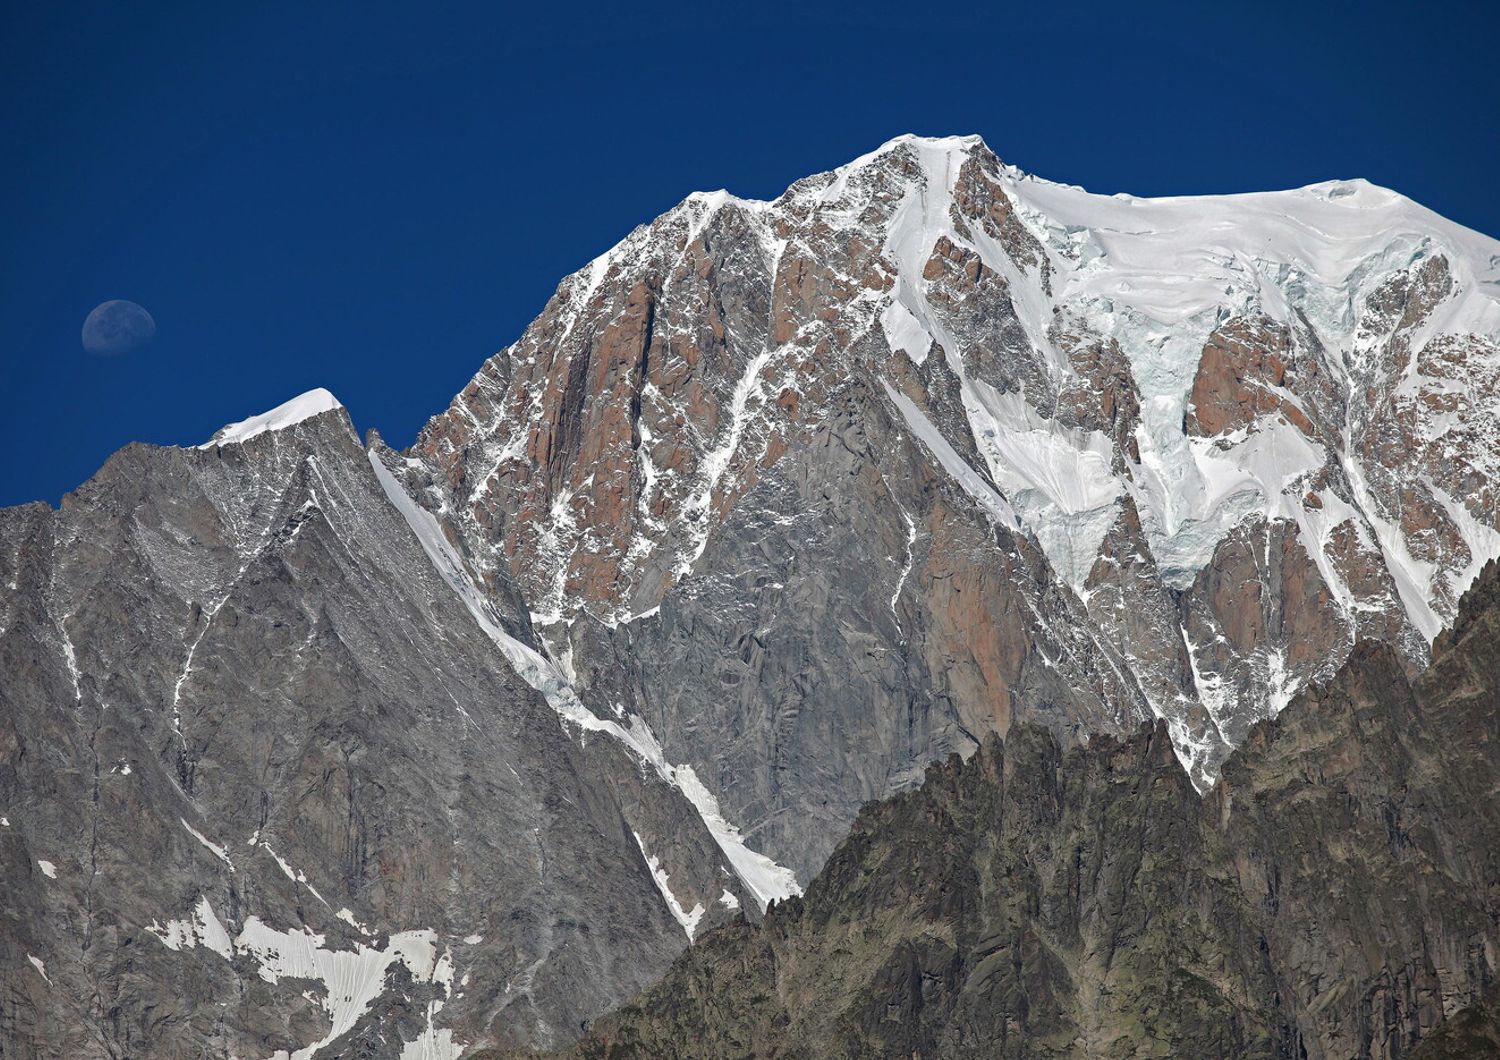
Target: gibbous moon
[(117, 327)]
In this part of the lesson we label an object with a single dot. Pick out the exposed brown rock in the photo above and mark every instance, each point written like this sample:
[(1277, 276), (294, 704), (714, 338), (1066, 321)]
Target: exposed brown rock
[(1241, 377)]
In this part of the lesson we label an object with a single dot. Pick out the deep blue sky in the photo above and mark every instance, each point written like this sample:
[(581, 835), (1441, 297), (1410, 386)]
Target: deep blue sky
[(374, 198)]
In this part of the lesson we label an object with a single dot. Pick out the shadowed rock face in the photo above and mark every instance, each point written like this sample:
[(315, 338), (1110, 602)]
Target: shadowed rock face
[(1336, 895), (266, 783), (1473, 1034)]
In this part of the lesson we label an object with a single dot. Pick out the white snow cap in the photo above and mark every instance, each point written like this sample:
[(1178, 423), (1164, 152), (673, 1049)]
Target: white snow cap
[(301, 407)]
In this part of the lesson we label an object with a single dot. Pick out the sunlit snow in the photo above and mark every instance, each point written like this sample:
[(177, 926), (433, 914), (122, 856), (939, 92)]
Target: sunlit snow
[(301, 407)]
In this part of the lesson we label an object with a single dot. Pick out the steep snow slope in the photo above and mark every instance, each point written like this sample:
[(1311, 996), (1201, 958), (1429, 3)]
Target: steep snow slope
[(285, 415)]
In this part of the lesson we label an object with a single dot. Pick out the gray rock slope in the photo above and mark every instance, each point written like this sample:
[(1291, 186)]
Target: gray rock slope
[(267, 783)]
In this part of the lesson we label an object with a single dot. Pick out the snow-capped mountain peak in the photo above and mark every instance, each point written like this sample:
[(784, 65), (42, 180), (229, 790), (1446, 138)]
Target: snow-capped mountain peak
[(304, 406), (1177, 377), (773, 505)]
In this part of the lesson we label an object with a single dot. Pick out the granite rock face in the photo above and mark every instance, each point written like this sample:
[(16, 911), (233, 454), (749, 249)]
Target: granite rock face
[(829, 486), (1336, 895), (270, 788)]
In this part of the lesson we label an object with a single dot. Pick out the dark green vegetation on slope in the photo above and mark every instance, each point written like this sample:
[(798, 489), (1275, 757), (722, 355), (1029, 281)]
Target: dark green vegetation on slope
[(1336, 895), (1473, 1034)]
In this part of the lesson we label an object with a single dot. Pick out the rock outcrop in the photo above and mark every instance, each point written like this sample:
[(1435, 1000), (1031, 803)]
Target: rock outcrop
[(269, 786), (830, 486)]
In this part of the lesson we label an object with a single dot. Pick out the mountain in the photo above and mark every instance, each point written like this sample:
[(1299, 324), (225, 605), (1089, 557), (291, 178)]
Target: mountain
[(828, 487), (1334, 896), (310, 746), (276, 777)]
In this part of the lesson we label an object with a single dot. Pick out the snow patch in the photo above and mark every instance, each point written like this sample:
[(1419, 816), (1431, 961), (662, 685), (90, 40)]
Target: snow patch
[(688, 920), (1482, 541), (71, 659), (904, 332), (434, 1043), (1213, 693), (348, 917), (352, 979), (202, 928), (49, 870), (906, 566), (716, 461), (41, 968), (1413, 577), (972, 482), (1281, 685), (297, 876), (301, 407)]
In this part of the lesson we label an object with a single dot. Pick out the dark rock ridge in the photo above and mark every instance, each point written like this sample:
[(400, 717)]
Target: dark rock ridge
[(1336, 895)]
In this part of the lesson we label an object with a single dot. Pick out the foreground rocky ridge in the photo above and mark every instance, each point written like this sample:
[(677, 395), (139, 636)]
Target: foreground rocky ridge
[(1336, 895)]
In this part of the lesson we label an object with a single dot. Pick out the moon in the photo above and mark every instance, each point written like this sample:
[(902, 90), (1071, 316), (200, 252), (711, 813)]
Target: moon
[(117, 327)]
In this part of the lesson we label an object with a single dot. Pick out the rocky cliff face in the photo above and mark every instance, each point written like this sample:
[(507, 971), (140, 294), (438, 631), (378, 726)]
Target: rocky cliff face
[(308, 746), (829, 486), (275, 781), (1336, 895)]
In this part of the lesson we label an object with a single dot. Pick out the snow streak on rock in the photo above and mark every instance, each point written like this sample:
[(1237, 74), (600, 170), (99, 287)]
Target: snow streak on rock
[(767, 880), (688, 920)]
